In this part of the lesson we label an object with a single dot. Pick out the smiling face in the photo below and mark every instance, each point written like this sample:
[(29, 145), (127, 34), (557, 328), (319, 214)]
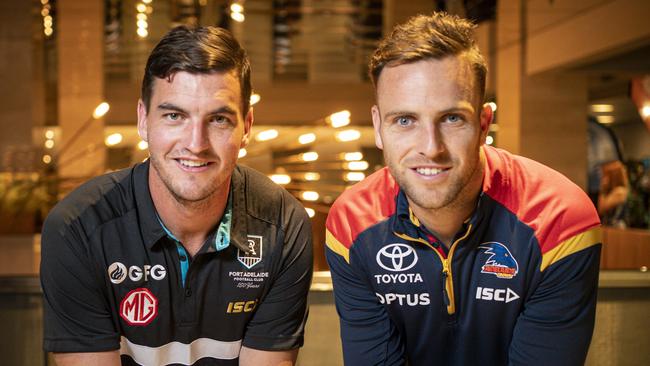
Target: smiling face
[(430, 125), (194, 128)]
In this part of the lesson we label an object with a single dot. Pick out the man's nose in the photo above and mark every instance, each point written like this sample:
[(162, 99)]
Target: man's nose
[(197, 139), (430, 141)]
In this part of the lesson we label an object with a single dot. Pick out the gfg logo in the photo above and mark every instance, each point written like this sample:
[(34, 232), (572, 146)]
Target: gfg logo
[(117, 272), (397, 257)]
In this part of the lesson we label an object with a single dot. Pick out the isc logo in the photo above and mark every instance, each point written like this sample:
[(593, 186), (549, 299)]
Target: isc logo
[(499, 294), (139, 307), (241, 306)]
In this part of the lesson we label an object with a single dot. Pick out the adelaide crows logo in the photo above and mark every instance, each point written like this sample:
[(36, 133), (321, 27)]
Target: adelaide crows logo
[(500, 262)]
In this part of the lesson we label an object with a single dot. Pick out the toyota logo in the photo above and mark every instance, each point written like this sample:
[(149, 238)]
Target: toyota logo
[(397, 257)]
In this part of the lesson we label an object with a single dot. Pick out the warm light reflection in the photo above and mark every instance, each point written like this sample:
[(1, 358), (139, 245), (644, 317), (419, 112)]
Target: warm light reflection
[(101, 110), (340, 119), (311, 176), (602, 108), (142, 24), (242, 153), (238, 17), (236, 8), (307, 138), (141, 8), (492, 106), (143, 145), (645, 111), (310, 212), (348, 135), (255, 98), (310, 196), (47, 159), (352, 156), (267, 135), (356, 165), (141, 16), (146, 1), (49, 134), (489, 140), (142, 32), (49, 144), (113, 139), (281, 179), (354, 176), (310, 156), (605, 119)]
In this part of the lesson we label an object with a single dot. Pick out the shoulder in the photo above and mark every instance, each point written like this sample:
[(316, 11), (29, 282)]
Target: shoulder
[(95, 202), (359, 207), (266, 200), (545, 200)]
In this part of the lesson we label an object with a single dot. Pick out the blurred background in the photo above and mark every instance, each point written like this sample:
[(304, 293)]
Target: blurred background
[(569, 81)]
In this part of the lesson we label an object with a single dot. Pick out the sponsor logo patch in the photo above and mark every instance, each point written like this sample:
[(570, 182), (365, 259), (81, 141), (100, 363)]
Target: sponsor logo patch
[(254, 253), (496, 294), (500, 262), (235, 307), (117, 272), (397, 257), (139, 307), (404, 299)]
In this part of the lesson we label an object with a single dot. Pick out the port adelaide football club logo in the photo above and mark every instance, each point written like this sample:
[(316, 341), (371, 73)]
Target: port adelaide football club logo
[(254, 253), (500, 261)]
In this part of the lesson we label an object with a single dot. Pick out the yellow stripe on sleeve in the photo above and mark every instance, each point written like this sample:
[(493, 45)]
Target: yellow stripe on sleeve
[(572, 245), (336, 246)]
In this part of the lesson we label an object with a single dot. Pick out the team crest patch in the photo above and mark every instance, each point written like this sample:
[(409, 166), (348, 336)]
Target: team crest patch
[(254, 253), (500, 262)]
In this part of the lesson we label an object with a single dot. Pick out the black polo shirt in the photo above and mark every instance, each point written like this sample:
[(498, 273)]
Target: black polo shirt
[(113, 279)]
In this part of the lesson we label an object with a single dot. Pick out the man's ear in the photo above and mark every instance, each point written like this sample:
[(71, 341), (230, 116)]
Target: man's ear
[(142, 120), (376, 123), (485, 119), (248, 125)]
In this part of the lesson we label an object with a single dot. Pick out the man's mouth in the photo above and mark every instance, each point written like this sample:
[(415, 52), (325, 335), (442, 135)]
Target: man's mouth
[(430, 172), (192, 163)]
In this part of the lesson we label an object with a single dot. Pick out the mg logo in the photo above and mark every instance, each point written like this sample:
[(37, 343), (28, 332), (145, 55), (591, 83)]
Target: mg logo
[(139, 307), (397, 257)]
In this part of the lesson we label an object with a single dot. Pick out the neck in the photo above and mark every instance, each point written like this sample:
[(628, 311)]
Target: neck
[(190, 222)]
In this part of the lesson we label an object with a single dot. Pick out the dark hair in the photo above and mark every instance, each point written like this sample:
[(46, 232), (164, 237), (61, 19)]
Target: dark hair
[(434, 36), (201, 50)]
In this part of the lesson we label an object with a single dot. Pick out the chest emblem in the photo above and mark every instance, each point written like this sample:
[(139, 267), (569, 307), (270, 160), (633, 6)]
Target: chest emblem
[(139, 307), (500, 261), (397, 257), (254, 253)]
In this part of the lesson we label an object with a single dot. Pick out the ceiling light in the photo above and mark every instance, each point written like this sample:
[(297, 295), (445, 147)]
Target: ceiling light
[(49, 144), (489, 140), (141, 8), (307, 138), (142, 32), (242, 153), (113, 139), (281, 179), (354, 176), (311, 176), (142, 24), (236, 8), (238, 17), (267, 135), (348, 135), (141, 16), (602, 108), (356, 165), (310, 195), (492, 106), (310, 156), (645, 111), (49, 134), (310, 212), (255, 98), (340, 119), (352, 156), (605, 119), (101, 110), (143, 145), (47, 159)]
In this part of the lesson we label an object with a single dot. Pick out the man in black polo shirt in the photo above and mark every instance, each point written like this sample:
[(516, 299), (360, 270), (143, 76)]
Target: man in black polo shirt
[(187, 258)]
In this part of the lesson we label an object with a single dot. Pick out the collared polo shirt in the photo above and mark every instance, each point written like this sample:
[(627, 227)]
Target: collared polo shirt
[(113, 279)]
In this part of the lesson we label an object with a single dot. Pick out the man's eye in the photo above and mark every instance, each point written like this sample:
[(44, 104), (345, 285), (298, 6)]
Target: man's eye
[(173, 116), (453, 118), (404, 121), (220, 120)]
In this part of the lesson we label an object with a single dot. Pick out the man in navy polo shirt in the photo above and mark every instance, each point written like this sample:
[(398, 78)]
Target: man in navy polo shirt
[(187, 258)]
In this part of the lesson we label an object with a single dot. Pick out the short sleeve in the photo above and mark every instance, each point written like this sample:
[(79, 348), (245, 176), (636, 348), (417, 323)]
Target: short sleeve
[(76, 315), (279, 321)]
